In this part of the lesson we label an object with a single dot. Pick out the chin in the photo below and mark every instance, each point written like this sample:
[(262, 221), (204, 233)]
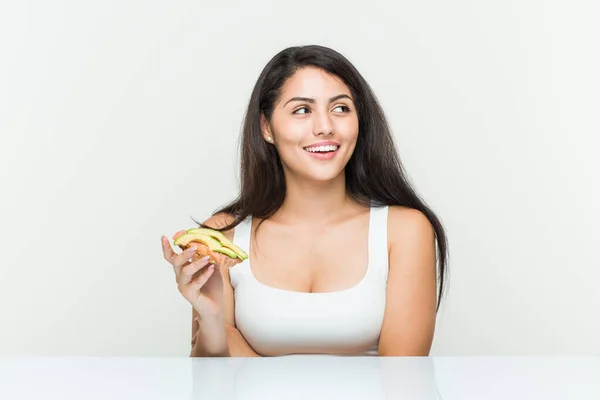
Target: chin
[(316, 171), (324, 176)]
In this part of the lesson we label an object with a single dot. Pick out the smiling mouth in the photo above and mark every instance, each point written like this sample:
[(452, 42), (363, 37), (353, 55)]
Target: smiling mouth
[(330, 148)]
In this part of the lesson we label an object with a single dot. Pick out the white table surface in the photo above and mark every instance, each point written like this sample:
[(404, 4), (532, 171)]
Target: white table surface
[(301, 377)]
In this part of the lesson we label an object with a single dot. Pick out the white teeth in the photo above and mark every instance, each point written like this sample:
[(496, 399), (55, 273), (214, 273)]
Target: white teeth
[(319, 149)]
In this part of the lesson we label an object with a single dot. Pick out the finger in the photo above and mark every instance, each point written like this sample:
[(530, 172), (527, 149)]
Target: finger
[(204, 277), (194, 339), (168, 252), (186, 274), (195, 286), (195, 329), (181, 259), (200, 279)]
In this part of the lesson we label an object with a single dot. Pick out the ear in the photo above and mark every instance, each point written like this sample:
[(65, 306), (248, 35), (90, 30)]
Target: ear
[(265, 129)]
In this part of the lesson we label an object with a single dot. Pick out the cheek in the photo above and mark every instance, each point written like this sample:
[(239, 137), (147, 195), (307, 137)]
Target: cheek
[(291, 132), (348, 129)]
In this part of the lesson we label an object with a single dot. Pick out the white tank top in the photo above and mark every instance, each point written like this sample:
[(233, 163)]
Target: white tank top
[(278, 322)]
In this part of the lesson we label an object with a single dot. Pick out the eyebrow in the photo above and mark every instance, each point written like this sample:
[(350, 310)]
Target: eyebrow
[(309, 100)]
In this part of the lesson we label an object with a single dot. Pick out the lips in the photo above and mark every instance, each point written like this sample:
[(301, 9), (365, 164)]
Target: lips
[(322, 148), (322, 152)]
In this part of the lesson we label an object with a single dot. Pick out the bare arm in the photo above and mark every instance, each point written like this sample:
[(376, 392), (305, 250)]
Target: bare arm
[(237, 344), (234, 344), (410, 313), (203, 339)]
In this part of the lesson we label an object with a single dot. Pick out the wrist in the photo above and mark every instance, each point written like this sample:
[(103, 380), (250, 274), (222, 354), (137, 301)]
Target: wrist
[(211, 321), (212, 315), (211, 338)]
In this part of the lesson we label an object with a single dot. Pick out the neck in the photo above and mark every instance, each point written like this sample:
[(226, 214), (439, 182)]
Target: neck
[(314, 201)]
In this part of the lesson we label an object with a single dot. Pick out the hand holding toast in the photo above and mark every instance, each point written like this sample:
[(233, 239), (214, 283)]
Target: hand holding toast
[(197, 267)]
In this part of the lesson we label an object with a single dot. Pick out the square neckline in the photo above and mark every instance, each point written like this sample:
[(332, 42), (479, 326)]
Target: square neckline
[(354, 287)]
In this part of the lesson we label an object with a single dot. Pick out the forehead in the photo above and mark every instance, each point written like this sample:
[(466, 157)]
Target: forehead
[(313, 82)]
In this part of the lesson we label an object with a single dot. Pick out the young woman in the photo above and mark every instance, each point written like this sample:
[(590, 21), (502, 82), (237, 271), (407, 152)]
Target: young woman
[(342, 251)]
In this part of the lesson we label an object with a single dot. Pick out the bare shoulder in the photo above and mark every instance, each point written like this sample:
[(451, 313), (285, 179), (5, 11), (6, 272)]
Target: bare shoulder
[(220, 220), (408, 226), (409, 319)]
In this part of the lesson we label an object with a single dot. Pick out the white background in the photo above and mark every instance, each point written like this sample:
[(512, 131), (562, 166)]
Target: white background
[(111, 110)]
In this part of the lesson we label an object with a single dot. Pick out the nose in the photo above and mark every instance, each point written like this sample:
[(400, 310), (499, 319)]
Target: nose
[(322, 124)]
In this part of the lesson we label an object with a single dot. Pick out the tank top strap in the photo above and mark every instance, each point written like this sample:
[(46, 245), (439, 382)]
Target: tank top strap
[(378, 241), (241, 237)]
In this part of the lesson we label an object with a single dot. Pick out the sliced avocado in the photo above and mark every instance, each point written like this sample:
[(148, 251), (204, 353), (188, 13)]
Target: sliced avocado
[(226, 251), (221, 238), (213, 244), (187, 238)]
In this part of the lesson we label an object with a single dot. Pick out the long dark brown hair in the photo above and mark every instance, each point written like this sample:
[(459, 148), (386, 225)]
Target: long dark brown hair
[(374, 174)]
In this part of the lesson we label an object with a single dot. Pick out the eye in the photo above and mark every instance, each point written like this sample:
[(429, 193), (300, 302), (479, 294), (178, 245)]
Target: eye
[(301, 108), (345, 108)]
